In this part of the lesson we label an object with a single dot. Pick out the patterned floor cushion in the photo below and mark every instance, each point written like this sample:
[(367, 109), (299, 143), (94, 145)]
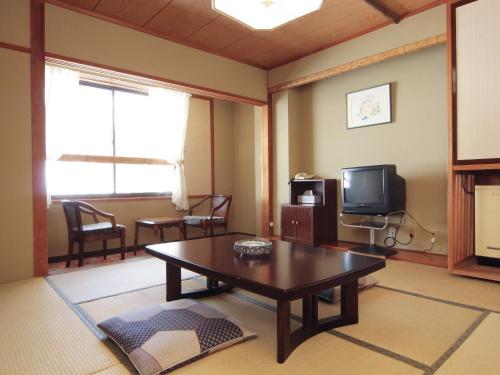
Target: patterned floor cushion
[(166, 336), (196, 220)]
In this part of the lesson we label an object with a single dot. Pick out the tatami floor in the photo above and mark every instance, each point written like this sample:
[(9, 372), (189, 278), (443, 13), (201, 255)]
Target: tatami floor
[(417, 320)]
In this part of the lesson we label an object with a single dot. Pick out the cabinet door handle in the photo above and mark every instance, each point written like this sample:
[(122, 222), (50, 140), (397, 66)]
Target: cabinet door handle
[(296, 222), (293, 222), (492, 248)]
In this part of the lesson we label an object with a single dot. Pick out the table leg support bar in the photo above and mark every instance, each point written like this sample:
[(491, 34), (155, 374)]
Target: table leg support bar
[(311, 325), (174, 286)]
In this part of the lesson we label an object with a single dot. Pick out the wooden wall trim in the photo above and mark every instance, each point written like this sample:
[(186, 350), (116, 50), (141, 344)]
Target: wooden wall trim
[(451, 175), (267, 167), (15, 47), (359, 63), (177, 85), (212, 146), (40, 231)]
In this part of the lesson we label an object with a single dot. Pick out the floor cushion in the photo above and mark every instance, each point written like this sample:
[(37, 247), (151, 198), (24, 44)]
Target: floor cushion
[(166, 336)]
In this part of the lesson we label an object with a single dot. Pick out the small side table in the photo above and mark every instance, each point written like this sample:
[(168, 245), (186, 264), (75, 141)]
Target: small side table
[(157, 224)]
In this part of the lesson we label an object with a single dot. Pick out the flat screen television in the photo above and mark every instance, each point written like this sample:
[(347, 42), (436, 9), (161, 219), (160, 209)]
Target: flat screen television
[(374, 190)]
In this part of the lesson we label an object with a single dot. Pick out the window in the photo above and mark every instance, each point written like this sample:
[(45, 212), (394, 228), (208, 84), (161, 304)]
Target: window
[(112, 146)]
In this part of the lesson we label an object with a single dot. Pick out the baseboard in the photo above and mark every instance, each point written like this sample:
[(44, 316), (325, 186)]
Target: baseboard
[(117, 250), (412, 256)]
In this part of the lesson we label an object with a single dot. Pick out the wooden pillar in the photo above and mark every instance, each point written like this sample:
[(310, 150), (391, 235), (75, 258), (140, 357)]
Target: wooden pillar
[(40, 242), (212, 145)]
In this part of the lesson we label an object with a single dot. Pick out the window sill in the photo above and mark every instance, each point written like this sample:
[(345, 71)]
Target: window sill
[(119, 197)]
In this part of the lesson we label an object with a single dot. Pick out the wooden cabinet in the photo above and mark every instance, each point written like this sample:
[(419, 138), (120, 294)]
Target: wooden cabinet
[(310, 224), (300, 224), (473, 133)]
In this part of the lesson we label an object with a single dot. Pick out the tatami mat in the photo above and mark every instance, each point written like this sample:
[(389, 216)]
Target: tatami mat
[(322, 354), (478, 355), (40, 334), (114, 370), (417, 328), (420, 329), (99, 282), (420, 319), (438, 283)]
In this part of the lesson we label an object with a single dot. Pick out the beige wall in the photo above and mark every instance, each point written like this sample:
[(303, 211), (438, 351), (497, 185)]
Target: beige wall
[(258, 113), (416, 141), (281, 155), (197, 151), (79, 36), (197, 163), (243, 209), (16, 209), (224, 150), (15, 22), (16, 214), (237, 163), (421, 26)]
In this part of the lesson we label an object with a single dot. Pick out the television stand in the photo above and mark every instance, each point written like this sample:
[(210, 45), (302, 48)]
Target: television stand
[(372, 225)]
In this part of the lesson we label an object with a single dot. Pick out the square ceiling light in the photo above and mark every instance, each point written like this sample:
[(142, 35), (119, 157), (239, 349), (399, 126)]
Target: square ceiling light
[(265, 14)]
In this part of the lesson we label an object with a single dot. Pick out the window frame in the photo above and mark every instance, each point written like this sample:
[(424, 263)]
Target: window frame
[(112, 159)]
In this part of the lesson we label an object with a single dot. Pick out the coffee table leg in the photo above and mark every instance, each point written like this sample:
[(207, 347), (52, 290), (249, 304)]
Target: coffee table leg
[(283, 333), (310, 311), (349, 302), (174, 287), (136, 238)]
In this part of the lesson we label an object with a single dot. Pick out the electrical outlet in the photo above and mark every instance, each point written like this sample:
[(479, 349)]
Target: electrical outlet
[(391, 232), (412, 232), (434, 238)]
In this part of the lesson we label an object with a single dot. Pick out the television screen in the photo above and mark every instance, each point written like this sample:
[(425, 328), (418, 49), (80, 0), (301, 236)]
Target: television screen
[(364, 186)]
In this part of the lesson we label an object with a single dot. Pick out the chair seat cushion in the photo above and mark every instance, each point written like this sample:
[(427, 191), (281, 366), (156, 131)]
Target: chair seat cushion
[(172, 334), (197, 220), (101, 227)]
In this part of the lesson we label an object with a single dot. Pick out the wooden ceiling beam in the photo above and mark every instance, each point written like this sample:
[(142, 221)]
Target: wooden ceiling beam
[(384, 9)]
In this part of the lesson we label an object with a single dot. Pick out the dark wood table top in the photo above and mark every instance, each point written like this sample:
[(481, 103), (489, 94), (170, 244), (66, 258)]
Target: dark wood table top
[(290, 272)]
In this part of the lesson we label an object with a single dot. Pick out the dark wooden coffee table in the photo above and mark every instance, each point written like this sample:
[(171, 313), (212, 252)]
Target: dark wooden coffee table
[(292, 271)]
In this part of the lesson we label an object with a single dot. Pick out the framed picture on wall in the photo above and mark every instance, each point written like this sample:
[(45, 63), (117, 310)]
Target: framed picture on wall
[(369, 107)]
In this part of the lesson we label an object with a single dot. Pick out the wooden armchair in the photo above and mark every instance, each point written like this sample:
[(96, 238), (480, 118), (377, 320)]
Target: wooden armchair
[(219, 211), (99, 231)]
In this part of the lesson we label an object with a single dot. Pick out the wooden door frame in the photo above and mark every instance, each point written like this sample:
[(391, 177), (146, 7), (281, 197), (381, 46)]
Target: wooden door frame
[(40, 227)]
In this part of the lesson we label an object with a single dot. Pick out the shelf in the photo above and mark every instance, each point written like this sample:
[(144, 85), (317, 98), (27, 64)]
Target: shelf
[(476, 167), (469, 267)]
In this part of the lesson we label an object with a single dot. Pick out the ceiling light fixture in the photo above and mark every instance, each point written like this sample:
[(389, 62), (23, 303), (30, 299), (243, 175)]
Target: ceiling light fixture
[(265, 14)]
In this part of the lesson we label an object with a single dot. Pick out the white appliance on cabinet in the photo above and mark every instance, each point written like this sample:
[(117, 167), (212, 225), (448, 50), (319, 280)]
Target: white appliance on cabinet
[(487, 224)]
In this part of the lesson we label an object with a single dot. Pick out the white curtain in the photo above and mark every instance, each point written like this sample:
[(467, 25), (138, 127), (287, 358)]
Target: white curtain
[(61, 94), (170, 109)]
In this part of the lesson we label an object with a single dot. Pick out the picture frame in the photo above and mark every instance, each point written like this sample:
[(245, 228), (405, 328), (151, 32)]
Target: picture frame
[(368, 107)]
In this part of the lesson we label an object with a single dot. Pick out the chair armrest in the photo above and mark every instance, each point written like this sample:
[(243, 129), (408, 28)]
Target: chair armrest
[(95, 211), (88, 212), (190, 211), (217, 207)]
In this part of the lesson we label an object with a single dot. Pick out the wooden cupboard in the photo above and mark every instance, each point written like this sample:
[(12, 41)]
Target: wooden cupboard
[(310, 224), (474, 156)]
